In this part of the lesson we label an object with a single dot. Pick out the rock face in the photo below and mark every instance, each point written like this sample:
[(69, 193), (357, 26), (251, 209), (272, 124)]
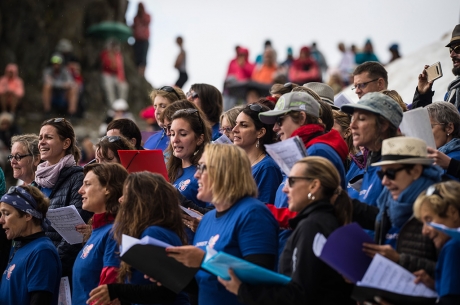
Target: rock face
[(29, 32)]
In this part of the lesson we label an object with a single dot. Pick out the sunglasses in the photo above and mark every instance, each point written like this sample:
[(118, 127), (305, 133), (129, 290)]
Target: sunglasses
[(17, 157), (255, 107), (279, 120), (170, 89), (363, 85), (390, 173), (456, 49), (190, 111), (288, 85), (201, 168), (56, 120), (167, 129), (192, 95), (111, 139), (292, 180), (432, 190)]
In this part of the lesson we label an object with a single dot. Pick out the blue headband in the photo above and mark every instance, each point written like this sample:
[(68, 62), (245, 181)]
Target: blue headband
[(20, 199)]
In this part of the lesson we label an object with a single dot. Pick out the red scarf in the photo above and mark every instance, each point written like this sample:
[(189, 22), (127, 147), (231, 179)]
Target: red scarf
[(314, 133), (102, 219)]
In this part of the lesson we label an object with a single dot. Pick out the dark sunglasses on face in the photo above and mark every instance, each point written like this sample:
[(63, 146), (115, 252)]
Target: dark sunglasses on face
[(111, 139), (390, 173), (17, 157), (170, 89), (456, 49), (292, 180), (363, 85), (279, 121), (192, 95)]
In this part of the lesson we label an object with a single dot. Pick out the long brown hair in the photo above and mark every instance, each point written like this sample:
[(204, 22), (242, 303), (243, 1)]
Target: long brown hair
[(148, 200), (65, 130)]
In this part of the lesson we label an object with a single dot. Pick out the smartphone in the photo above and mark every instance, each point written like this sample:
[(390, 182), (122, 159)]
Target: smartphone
[(434, 72)]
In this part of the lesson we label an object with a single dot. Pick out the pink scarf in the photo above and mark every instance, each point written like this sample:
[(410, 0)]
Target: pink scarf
[(47, 175)]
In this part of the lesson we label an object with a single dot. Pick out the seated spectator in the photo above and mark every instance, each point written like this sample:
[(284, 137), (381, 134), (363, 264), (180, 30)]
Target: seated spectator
[(11, 89), (367, 54), (113, 73), (240, 68), (394, 50), (265, 72), (304, 69), (59, 89), (119, 110)]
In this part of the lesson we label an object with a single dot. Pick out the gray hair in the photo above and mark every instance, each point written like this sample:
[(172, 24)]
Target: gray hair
[(30, 142), (445, 113)]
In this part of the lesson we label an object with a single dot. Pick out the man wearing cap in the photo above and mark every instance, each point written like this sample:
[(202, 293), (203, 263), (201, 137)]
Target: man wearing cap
[(424, 94), (370, 76), (59, 89), (325, 92)]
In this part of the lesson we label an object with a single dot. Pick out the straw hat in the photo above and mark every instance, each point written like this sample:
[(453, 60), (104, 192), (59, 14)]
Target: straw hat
[(404, 150)]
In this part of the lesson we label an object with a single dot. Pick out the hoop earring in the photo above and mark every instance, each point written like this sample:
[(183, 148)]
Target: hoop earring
[(310, 196), (257, 144)]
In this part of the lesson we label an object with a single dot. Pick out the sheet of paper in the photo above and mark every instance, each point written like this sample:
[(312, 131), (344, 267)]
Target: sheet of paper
[(127, 242), (64, 220), (287, 153), (387, 275), (341, 100), (223, 139), (191, 213), (318, 244), (64, 292), (416, 124)]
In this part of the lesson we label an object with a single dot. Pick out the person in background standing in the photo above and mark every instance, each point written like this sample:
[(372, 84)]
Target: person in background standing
[(367, 54), (394, 49), (141, 33), (113, 73), (320, 59), (180, 64), (11, 89), (347, 64)]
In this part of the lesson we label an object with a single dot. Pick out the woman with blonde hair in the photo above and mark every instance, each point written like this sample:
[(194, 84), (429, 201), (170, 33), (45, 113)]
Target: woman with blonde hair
[(239, 225), (395, 95), (439, 204), (322, 205)]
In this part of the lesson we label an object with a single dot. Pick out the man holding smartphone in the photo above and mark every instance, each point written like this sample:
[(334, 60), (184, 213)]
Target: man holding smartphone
[(424, 93)]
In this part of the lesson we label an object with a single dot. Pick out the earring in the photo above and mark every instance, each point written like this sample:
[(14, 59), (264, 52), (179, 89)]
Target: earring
[(310, 197), (257, 144), (448, 134), (196, 152)]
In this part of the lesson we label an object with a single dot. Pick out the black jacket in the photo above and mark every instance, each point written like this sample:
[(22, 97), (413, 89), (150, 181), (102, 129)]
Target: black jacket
[(65, 193), (422, 100), (313, 282)]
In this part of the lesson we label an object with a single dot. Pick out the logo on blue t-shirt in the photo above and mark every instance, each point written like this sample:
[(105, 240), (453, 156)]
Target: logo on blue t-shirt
[(213, 240), (183, 185), (86, 251), (10, 271)]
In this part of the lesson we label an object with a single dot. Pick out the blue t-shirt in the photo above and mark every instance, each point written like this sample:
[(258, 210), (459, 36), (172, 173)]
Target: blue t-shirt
[(188, 185), (268, 177), (215, 132), (353, 172), (248, 227), (447, 275), (35, 267), (169, 237), (100, 251), (281, 202), (453, 155), (158, 140), (326, 151)]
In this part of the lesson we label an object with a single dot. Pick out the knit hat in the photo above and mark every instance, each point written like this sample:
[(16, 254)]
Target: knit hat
[(297, 101), (404, 150), (324, 91), (379, 104)]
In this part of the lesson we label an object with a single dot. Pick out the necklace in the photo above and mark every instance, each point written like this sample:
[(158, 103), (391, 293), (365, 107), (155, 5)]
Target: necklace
[(257, 159)]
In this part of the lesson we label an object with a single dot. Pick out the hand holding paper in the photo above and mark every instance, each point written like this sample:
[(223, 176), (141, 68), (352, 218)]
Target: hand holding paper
[(190, 256)]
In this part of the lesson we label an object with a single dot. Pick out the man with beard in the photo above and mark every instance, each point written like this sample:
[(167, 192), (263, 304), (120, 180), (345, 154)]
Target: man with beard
[(423, 93)]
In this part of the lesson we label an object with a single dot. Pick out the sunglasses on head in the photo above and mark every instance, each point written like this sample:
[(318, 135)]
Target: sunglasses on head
[(56, 120), (17, 157), (390, 173), (192, 95), (111, 139), (255, 107), (456, 49), (191, 111), (169, 89)]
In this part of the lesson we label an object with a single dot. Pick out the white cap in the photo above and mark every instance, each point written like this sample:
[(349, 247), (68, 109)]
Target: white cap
[(120, 105)]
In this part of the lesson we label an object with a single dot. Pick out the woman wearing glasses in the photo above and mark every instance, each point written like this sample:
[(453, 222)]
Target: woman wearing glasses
[(405, 171), (209, 99), (251, 135), (59, 178), (314, 192), (98, 262), (108, 147), (239, 225), (162, 98), (228, 121), (24, 157), (440, 205), (33, 273)]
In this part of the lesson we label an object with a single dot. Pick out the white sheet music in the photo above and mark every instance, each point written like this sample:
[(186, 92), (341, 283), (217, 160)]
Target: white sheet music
[(191, 213), (416, 124), (64, 292), (387, 275), (287, 153), (64, 220)]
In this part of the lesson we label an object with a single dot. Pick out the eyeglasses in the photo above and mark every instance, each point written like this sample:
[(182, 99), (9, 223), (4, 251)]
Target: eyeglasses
[(192, 95), (201, 168), (255, 107), (17, 157), (56, 120), (390, 173), (292, 180), (23, 194), (432, 190), (225, 129), (363, 85), (111, 139), (167, 129), (456, 49), (170, 89)]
